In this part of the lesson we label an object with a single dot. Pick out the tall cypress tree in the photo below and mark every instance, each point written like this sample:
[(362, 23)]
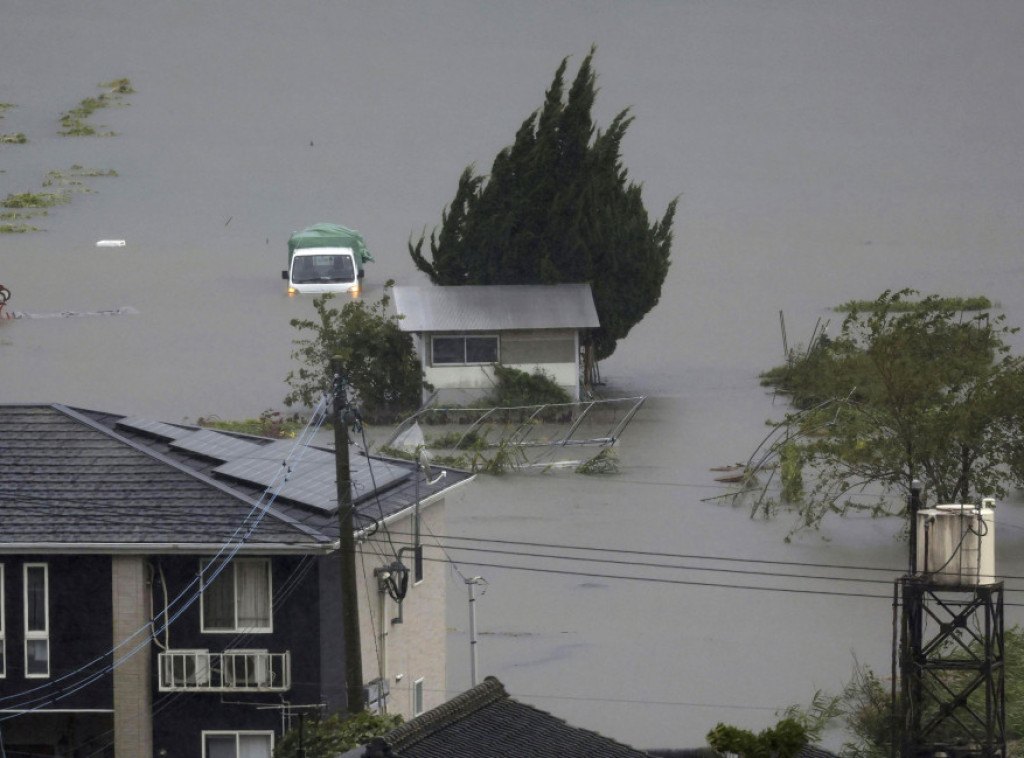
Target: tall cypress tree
[(558, 207)]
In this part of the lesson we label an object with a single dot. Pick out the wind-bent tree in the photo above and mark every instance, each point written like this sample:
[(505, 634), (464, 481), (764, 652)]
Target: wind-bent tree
[(558, 207), (908, 390), (378, 359)]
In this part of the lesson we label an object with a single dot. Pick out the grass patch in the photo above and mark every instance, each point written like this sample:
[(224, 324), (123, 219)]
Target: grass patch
[(4, 107), (269, 424), (17, 228), (980, 303), (73, 122), (17, 138), (35, 200)]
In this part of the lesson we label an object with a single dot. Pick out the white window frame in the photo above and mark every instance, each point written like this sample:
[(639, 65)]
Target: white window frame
[(464, 337), (206, 565), (37, 635), (417, 697), (238, 736)]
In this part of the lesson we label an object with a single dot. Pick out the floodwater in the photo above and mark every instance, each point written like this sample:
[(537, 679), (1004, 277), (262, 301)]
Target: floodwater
[(823, 151)]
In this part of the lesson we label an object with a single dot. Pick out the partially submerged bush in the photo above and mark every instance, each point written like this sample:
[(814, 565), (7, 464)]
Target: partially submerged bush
[(515, 387)]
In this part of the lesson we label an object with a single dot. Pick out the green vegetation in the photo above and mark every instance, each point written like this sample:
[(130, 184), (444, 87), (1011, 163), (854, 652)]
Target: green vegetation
[(784, 740), (4, 107), (515, 387), (334, 735), (558, 207), (904, 306), (269, 424), (73, 122), (35, 200), (35, 203), (927, 393), (605, 462), (865, 708), (378, 360), (17, 138)]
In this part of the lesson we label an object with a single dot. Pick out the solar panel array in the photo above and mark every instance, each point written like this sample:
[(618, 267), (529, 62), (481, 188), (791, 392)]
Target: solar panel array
[(303, 475), (155, 428)]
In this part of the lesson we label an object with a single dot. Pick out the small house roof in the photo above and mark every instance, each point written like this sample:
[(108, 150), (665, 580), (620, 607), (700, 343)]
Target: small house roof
[(495, 307), (485, 721)]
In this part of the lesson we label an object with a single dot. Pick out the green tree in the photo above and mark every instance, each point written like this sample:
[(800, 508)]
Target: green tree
[(784, 740), (334, 735), (378, 359), (558, 207), (925, 393)]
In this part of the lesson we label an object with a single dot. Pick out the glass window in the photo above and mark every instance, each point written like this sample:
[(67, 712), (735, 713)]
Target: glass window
[(463, 350), (238, 744), (481, 349), (3, 625), (37, 620), (446, 350), (238, 599), (417, 697)]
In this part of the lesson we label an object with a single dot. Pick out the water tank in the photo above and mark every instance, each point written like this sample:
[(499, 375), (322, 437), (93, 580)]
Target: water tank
[(956, 544)]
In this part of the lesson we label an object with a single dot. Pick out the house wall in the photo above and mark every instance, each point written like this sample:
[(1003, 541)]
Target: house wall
[(414, 648), (402, 652), (180, 718), (553, 351), (130, 591), (72, 703)]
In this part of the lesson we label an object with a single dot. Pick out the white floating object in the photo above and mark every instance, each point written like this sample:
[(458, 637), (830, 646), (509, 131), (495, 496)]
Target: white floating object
[(110, 243)]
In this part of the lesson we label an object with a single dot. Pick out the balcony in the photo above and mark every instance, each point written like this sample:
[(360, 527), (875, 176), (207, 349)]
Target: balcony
[(230, 671)]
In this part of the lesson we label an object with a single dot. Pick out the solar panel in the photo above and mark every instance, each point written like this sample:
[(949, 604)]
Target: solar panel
[(308, 479), (311, 475), (154, 428), (215, 445)]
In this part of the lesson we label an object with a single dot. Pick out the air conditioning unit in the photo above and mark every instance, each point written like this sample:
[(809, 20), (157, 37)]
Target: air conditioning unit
[(956, 543), (246, 668), (185, 668)]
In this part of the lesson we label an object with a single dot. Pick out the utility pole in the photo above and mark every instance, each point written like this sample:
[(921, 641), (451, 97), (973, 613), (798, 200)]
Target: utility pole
[(471, 583), (347, 549)]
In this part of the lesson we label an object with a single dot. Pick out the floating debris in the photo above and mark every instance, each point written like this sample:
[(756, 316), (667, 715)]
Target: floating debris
[(122, 311)]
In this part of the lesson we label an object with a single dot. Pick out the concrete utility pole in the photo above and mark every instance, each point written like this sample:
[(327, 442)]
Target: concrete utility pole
[(347, 550)]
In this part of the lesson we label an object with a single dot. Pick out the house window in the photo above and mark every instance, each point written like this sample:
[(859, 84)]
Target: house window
[(238, 599), (417, 697), (461, 350), (3, 625), (238, 744), (37, 620)]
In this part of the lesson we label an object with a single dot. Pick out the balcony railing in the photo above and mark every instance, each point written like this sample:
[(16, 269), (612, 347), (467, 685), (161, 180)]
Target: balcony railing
[(230, 671)]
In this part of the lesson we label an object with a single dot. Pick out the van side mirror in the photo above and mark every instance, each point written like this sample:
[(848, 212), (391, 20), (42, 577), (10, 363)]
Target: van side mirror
[(284, 274)]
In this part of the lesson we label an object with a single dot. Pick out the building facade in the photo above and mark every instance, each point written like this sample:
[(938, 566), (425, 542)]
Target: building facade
[(158, 598)]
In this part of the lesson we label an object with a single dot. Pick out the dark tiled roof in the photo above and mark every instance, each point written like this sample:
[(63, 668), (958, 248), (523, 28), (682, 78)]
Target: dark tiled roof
[(485, 721), (74, 477)]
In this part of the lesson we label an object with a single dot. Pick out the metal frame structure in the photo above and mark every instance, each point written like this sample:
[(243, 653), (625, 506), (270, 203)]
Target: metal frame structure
[(953, 702)]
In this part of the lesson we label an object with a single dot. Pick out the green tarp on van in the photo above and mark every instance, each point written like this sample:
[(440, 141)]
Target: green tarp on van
[(330, 235)]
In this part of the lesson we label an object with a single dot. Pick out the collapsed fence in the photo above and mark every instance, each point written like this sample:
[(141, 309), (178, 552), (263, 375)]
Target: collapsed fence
[(580, 435)]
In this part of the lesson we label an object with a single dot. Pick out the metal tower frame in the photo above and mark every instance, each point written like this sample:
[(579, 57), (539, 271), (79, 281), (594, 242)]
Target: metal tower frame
[(953, 702)]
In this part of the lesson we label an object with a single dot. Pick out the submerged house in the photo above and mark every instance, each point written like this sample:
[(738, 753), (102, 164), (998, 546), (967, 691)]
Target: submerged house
[(462, 332), (171, 590)]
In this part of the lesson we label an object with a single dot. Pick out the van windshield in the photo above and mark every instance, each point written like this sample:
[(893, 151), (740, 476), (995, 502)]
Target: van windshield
[(307, 269)]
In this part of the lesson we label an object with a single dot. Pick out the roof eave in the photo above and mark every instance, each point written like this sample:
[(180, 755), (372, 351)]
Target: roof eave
[(153, 548)]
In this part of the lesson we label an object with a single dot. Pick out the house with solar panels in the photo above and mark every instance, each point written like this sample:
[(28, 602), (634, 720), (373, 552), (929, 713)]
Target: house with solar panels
[(462, 332), (172, 590)]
